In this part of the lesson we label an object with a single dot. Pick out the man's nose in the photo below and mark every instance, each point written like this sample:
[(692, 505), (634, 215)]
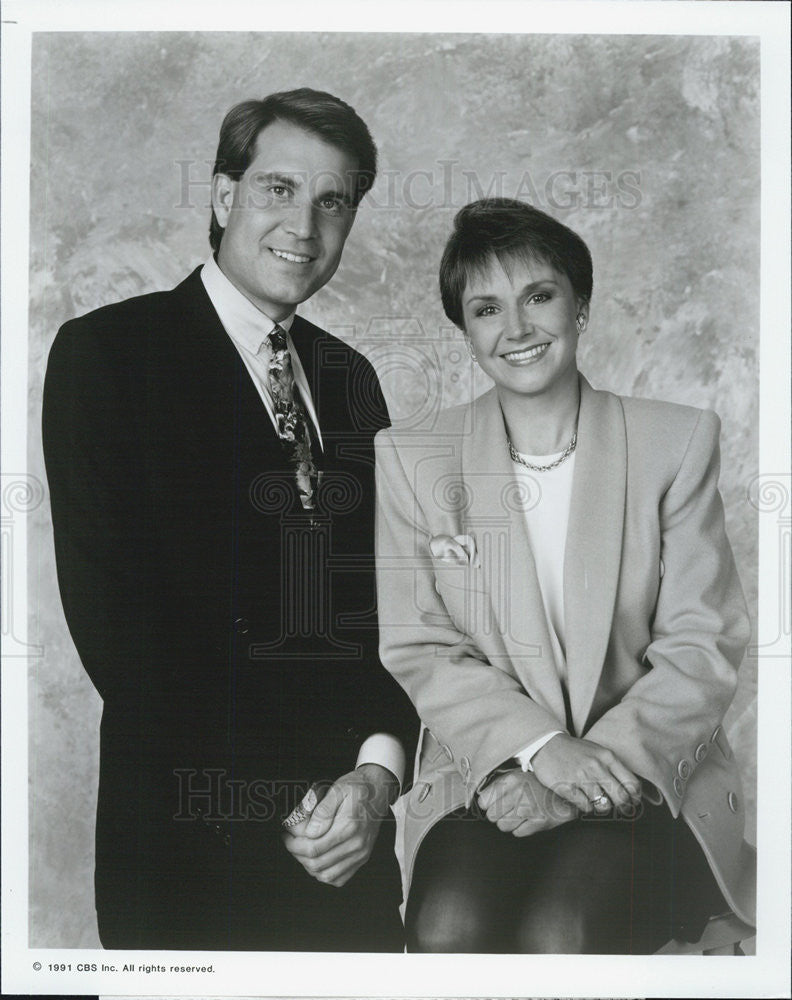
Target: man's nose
[(300, 221)]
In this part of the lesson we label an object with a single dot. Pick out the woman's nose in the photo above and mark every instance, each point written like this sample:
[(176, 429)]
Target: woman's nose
[(520, 325)]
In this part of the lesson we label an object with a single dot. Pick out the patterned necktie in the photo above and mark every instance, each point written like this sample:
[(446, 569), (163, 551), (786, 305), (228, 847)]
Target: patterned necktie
[(290, 418)]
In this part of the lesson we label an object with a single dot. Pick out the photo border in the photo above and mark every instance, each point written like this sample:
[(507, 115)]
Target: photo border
[(328, 975)]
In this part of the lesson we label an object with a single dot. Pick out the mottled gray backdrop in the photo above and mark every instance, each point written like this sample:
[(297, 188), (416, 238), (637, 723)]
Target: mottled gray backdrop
[(648, 146)]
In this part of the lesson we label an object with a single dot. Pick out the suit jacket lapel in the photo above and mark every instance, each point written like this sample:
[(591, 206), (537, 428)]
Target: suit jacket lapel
[(496, 520), (303, 338), (593, 544), (211, 378)]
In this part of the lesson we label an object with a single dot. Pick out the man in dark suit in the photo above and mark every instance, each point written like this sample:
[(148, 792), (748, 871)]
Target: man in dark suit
[(210, 462)]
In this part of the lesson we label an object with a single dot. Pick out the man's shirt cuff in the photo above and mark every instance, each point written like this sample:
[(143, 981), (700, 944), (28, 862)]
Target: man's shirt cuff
[(523, 758), (385, 750)]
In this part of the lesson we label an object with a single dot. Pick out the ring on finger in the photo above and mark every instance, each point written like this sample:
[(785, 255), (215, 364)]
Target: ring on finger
[(601, 803)]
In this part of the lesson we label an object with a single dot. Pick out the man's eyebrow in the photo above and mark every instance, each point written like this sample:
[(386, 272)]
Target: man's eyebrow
[(270, 177)]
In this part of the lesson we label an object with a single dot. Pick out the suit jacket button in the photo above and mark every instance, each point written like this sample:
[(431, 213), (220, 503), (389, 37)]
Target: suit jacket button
[(701, 752), (464, 763), (679, 786), (241, 626), (424, 792), (448, 752), (227, 840), (734, 802), (683, 769)]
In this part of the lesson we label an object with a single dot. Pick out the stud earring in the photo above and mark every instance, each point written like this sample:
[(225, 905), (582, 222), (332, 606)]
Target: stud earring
[(471, 352)]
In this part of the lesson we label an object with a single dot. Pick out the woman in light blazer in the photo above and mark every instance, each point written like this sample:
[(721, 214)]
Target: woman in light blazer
[(558, 597)]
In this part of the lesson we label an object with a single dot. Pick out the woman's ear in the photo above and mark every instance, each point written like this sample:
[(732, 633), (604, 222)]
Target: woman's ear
[(582, 316)]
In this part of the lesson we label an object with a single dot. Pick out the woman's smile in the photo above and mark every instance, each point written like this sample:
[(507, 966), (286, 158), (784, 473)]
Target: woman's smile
[(526, 355)]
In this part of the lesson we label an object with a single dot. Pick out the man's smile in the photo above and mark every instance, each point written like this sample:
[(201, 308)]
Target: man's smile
[(295, 258)]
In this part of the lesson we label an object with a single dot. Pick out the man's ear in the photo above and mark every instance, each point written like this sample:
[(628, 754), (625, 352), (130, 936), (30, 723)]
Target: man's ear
[(223, 190)]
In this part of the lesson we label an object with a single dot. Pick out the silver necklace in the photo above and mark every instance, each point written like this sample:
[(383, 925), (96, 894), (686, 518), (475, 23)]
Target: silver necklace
[(517, 457)]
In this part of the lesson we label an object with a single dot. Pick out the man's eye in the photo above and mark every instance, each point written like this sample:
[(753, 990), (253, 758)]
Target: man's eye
[(279, 190), (331, 205)]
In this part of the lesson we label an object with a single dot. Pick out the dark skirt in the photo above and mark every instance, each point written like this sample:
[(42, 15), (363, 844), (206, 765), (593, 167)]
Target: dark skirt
[(593, 885)]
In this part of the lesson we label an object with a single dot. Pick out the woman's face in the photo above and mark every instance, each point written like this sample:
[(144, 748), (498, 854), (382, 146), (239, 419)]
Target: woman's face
[(523, 326)]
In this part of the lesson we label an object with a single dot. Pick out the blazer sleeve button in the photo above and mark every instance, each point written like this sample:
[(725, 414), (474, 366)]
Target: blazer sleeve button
[(652, 793), (683, 769), (241, 626), (448, 752), (424, 792), (734, 802), (701, 752), (679, 786), (719, 737)]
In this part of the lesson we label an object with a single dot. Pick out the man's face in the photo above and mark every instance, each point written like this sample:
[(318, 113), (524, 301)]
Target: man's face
[(286, 220)]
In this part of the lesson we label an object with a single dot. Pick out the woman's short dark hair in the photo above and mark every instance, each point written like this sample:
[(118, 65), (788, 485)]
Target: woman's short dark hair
[(508, 230), (327, 117)]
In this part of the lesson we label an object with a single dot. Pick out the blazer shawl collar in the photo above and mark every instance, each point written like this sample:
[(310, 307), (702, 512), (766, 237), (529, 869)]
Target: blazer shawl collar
[(593, 544), (495, 517)]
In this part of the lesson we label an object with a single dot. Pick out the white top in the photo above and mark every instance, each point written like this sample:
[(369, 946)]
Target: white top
[(547, 518), (248, 327)]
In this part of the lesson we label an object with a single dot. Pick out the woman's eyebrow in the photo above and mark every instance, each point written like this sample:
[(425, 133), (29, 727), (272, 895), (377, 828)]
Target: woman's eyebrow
[(491, 296)]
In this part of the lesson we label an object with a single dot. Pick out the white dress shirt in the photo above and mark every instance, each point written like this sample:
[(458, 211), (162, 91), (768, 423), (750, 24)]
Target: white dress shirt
[(249, 328)]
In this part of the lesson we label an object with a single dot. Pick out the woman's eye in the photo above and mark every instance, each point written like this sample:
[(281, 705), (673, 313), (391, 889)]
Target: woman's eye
[(487, 311), (539, 297)]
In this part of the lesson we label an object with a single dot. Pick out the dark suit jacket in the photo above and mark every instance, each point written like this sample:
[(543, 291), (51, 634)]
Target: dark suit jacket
[(234, 643)]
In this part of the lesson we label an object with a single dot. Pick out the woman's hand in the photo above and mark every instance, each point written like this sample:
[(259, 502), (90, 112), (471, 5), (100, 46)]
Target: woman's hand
[(579, 771), (518, 803)]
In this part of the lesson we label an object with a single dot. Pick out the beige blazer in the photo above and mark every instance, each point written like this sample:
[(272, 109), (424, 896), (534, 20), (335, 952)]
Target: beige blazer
[(655, 619)]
